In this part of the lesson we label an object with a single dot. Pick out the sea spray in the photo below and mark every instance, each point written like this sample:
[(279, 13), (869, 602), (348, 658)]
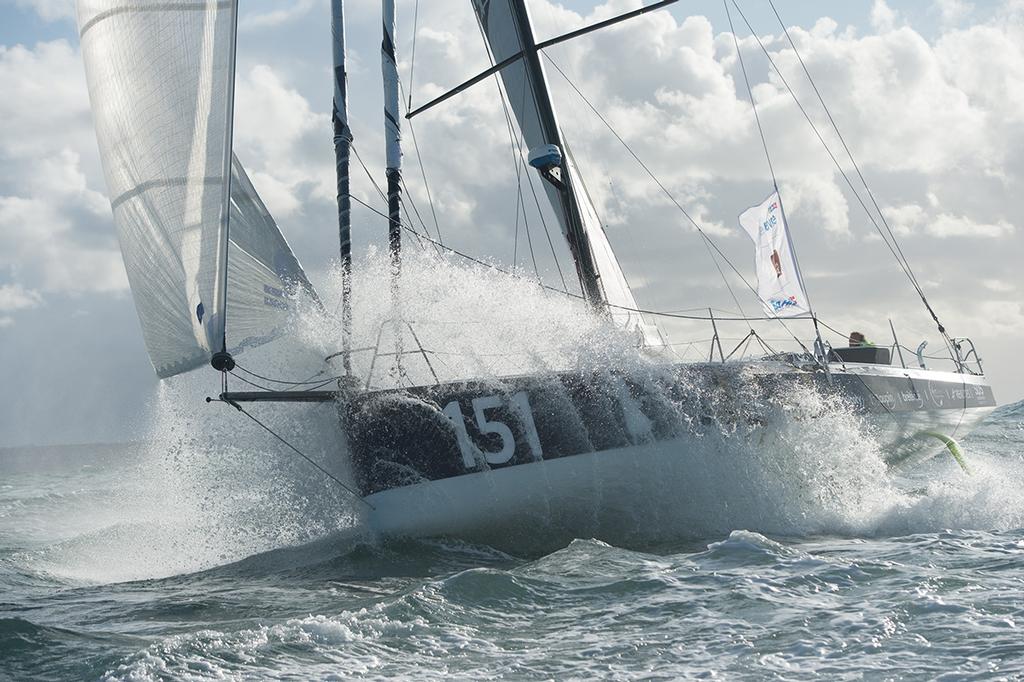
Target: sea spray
[(206, 488), (209, 487), (473, 322)]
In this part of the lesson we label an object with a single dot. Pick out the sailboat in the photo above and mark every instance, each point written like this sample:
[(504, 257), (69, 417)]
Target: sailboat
[(477, 457)]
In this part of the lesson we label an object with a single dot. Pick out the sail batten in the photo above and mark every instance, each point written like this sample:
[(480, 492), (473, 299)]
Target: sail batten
[(130, 8), (161, 83)]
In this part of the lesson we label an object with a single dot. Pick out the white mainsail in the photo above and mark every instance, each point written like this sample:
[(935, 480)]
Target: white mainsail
[(161, 81), (530, 100)]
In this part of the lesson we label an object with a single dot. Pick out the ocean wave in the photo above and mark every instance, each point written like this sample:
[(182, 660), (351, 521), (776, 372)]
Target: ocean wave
[(745, 606)]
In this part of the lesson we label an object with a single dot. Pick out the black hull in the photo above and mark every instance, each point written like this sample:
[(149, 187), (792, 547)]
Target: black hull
[(416, 436)]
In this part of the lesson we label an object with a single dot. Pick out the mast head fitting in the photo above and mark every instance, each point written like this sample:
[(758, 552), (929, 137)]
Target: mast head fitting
[(222, 361), (545, 157)]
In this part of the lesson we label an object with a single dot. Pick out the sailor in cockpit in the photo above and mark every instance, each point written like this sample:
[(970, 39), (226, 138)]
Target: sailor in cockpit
[(858, 340)]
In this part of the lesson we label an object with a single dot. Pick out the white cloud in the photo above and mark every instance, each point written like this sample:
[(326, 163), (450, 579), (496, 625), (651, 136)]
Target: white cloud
[(276, 17), (912, 218), (15, 297), (953, 12), (998, 286), (39, 245), (56, 233), (906, 219), (815, 202), (947, 225), (45, 103), (883, 17), (50, 10), (283, 163), (279, 196), (996, 319), (986, 64)]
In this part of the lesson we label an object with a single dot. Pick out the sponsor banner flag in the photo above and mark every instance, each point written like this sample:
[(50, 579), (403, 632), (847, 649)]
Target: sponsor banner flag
[(779, 285)]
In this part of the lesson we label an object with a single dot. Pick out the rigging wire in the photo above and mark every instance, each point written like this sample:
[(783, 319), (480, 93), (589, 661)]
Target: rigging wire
[(416, 210), (856, 167), (253, 383), (516, 145), (419, 157), (679, 206), (313, 386), (529, 239), (771, 166), (580, 297), (426, 184), (517, 153), (294, 449), (750, 94), (287, 382), (412, 57), (547, 233), (657, 181), (842, 171), (380, 193), (520, 204), (517, 149), (369, 175), (515, 241)]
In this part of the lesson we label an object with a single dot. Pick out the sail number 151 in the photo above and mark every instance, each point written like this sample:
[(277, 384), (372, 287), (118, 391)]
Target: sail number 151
[(519, 403)]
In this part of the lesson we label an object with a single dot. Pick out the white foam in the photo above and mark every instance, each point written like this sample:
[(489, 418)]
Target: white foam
[(211, 488)]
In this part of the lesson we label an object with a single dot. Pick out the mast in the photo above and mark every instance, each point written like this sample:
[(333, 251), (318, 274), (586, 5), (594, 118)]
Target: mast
[(221, 360), (342, 149), (392, 139), (393, 143), (576, 235)]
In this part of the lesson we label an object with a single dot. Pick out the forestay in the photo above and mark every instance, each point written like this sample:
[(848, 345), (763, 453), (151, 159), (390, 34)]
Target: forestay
[(161, 79), (529, 97)]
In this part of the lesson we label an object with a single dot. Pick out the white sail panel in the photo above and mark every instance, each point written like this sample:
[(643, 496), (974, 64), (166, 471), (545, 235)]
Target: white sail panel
[(264, 278), (530, 100), (622, 305), (160, 80)]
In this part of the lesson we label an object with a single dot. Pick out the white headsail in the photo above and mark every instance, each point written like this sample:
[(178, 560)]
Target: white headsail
[(779, 284), (161, 82), (504, 22), (622, 305)]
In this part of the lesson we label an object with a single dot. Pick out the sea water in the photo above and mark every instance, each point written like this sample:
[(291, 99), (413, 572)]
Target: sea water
[(206, 550)]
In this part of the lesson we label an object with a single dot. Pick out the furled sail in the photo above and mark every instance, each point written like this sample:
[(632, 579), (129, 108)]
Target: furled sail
[(506, 25), (161, 80)]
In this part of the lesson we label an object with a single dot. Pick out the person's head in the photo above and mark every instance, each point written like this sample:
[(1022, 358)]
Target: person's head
[(856, 339)]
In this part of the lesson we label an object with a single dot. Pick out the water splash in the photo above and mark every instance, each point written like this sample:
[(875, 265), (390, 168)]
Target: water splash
[(473, 321), (209, 488)]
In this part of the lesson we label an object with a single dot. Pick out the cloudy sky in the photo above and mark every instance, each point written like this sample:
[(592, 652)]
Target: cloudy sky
[(928, 94)]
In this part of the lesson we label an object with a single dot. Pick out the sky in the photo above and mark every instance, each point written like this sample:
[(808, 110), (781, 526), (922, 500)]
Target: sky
[(928, 94)]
